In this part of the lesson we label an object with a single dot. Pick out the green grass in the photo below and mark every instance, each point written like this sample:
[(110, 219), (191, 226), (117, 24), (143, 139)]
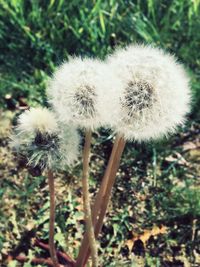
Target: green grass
[(36, 36)]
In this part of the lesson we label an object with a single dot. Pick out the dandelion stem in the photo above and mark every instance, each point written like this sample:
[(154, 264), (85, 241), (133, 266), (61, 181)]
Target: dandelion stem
[(86, 199), (107, 192), (105, 180), (102, 198), (52, 219)]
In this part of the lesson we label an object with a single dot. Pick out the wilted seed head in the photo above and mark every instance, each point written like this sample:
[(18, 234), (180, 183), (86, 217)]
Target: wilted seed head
[(74, 92), (43, 151), (152, 96), (41, 145)]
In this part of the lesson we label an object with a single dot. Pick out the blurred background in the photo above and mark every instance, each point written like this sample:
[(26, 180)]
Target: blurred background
[(154, 220)]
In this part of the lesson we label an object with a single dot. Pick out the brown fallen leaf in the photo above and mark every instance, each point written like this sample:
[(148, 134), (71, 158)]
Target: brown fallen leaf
[(144, 237), (191, 145), (178, 158)]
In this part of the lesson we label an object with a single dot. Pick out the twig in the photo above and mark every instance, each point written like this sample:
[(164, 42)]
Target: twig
[(86, 199), (66, 259), (34, 260), (52, 219), (63, 256)]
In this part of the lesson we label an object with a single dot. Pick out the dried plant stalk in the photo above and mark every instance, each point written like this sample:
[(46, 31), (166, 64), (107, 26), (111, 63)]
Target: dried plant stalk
[(107, 192), (86, 200), (52, 219)]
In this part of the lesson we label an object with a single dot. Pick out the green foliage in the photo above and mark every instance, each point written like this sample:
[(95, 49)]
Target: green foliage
[(183, 201), (152, 262), (30, 88), (45, 33)]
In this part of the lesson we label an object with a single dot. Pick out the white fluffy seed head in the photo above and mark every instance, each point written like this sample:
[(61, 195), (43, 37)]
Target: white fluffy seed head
[(43, 142), (152, 96), (74, 92), (69, 145), (37, 119)]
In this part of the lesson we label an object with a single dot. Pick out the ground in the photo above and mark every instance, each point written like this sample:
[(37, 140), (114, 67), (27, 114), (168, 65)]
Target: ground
[(153, 216)]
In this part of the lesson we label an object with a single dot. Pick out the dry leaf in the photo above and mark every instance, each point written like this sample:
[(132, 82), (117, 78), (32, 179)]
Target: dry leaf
[(144, 237), (191, 145), (178, 158)]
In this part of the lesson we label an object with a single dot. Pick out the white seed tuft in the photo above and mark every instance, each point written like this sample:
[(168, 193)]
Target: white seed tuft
[(152, 96), (43, 142), (74, 92), (37, 119)]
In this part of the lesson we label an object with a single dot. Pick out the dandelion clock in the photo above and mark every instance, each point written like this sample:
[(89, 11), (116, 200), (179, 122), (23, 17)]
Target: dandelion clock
[(45, 145), (75, 92), (152, 96)]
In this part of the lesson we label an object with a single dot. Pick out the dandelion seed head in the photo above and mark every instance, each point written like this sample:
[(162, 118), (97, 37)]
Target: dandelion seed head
[(74, 92), (84, 100), (37, 120), (69, 145), (152, 96), (137, 97), (42, 145)]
